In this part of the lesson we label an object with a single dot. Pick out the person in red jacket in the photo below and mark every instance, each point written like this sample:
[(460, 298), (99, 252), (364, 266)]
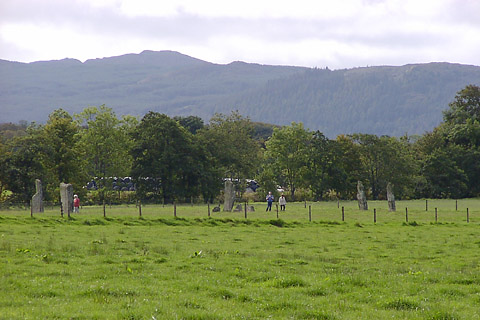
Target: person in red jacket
[(76, 203)]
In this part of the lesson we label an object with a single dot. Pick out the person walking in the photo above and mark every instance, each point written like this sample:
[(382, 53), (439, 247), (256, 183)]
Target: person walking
[(282, 202), (269, 199), (76, 204)]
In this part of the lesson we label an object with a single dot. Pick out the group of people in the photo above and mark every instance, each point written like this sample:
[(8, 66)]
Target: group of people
[(281, 201)]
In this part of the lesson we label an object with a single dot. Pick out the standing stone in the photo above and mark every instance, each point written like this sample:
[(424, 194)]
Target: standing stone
[(37, 199), (238, 208), (66, 195), (229, 196), (390, 198), (362, 199)]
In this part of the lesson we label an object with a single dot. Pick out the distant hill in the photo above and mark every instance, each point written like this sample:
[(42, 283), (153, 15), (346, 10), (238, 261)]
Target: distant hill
[(379, 100)]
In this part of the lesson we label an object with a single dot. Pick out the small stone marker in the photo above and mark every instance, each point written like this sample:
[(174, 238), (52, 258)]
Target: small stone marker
[(37, 199), (229, 196), (66, 196), (391, 198), (216, 209), (238, 208), (362, 199)]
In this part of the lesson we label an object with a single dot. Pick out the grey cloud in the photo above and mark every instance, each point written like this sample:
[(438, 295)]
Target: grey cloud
[(82, 18), (197, 30)]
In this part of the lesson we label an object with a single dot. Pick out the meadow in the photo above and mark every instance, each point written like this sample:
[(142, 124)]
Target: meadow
[(192, 266)]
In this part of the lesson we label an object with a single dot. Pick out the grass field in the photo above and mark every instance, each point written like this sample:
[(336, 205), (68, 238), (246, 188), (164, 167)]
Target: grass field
[(229, 267)]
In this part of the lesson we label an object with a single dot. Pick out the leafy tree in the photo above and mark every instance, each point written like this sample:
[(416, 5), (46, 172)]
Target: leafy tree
[(444, 178), (20, 165), (324, 170), (384, 160), (466, 106), (191, 123), (263, 131), (10, 130), (351, 169), (105, 142), (460, 132), (167, 163), (61, 156), (229, 139), (287, 154)]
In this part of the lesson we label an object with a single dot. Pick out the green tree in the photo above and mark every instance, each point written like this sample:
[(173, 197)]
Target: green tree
[(443, 177), (450, 153), (324, 170), (167, 163), (229, 139), (62, 158), (105, 142), (191, 123), (350, 166), (20, 165), (465, 106), (287, 155), (385, 159)]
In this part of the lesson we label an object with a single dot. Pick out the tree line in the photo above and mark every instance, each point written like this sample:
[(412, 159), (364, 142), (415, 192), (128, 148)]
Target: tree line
[(182, 158)]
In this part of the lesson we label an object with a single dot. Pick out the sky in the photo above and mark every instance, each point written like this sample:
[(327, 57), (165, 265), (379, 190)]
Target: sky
[(313, 33)]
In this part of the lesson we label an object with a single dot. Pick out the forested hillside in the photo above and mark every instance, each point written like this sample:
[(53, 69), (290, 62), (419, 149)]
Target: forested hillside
[(378, 100)]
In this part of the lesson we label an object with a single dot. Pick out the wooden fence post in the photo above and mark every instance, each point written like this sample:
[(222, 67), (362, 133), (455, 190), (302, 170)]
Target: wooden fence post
[(343, 213), (104, 213), (208, 204), (277, 209), (310, 213), (436, 216), (406, 214), (456, 205), (374, 215), (245, 210), (468, 217), (426, 205), (174, 209), (140, 208)]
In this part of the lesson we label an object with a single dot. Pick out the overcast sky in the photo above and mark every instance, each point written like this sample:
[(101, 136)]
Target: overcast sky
[(313, 33)]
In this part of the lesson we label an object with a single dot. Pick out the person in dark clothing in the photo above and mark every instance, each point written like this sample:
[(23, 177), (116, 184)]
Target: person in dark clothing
[(269, 199)]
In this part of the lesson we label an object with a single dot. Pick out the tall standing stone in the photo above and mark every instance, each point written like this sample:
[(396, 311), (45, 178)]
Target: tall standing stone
[(66, 196), (390, 198), (37, 199), (362, 199), (229, 196)]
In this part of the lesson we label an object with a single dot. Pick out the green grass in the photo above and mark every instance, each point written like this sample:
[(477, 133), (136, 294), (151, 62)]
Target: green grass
[(229, 267)]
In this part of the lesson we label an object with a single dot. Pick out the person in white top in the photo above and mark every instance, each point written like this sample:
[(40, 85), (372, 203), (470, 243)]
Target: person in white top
[(282, 202)]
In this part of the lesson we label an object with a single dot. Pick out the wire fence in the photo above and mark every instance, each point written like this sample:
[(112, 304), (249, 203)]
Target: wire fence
[(410, 212)]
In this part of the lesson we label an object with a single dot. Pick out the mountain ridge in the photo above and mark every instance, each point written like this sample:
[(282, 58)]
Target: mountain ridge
[(391, 100)]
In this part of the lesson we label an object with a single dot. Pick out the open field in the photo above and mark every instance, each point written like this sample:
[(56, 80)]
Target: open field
[(229, 267)]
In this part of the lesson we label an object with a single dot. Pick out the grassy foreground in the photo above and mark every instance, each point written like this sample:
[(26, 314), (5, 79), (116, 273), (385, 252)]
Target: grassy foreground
[(229, 267)]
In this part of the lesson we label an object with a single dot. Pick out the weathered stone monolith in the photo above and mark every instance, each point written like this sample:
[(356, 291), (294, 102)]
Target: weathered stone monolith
[(66, 196), (390, 198), (37, 199), (229, 196), (362, 199)]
